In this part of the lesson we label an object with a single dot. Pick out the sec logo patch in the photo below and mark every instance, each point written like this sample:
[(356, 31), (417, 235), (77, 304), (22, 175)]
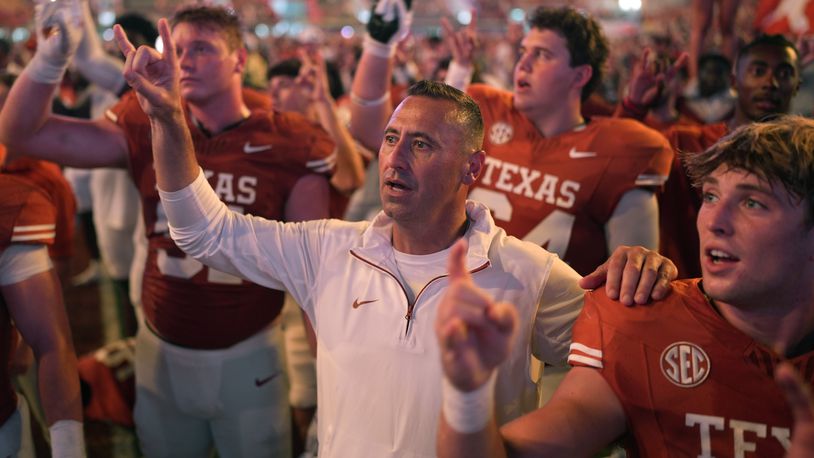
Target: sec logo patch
[(500, 133), (685, 364)]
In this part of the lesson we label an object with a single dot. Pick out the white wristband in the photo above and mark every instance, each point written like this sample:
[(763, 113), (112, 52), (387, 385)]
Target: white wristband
[(469, 412), (43, 71), (459, 76), (369, 103), (67, 439), (377, 48)]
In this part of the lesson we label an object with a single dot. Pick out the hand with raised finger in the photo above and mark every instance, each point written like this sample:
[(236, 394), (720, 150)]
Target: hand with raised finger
[(805, 49), (313, 76), (646, 81), (798, 396), (389, 23), (633, 275), (58, 29), (673, 69), (474, 333), (462, 42), (153, 75)]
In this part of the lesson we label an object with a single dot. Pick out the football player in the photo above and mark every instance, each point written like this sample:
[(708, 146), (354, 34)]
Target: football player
[(579, 187), (766, 77), (694, 374), (31, 301), (206, 366)]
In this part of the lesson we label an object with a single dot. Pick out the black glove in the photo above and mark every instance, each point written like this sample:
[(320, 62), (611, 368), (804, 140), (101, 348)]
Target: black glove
[(390, 20)]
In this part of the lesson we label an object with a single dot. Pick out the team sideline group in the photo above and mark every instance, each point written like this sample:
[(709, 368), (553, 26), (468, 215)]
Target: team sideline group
[(514, 232)]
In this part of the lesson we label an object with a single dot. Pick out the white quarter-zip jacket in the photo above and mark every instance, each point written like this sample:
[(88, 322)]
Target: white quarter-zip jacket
[(378, 364)]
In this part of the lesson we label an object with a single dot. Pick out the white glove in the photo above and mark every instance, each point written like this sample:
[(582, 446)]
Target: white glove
[(62, 21)]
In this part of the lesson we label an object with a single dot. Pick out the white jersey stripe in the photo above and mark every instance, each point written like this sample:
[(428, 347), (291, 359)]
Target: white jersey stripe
[(587, 350), (330, 160), (35, 227), (25, 238), (585, 360), (651, 180), (323, 169)]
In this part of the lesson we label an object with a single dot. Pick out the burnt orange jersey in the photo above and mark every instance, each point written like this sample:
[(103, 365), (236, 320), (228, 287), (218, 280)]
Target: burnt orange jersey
[(559, 192), (689, 382), (252, 167), (48, 176), (26, 216), (679, 203)]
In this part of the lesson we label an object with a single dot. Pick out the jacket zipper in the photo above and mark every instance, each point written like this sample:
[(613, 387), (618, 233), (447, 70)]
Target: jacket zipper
[(411, 305)]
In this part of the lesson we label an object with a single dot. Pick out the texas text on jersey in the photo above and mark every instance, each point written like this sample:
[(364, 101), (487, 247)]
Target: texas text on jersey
[(559, 192), (252, 166), (690, 383)]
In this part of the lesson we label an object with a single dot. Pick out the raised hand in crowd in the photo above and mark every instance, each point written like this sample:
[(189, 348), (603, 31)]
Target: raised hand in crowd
[(313, 77), (58, 28), (649, 78), (390, 22), (462, 44), (805, 50)]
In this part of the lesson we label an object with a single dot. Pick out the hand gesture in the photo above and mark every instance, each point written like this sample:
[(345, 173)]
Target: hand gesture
[(461, 43), (88, 28), (633, 274), (390, 20), (58, 28), (798, 395), (153, 75), (474, 333), (650, 76), (313, 76), (805, 49)]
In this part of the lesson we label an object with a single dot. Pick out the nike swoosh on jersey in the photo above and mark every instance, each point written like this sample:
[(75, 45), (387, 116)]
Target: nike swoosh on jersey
[(358, 303), (574, 154), (258, 382), (249, 149)]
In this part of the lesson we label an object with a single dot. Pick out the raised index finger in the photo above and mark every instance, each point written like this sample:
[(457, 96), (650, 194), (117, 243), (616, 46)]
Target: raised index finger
[(457, 261), (473, 20), (449, 31), (166, 39), (122, 41)]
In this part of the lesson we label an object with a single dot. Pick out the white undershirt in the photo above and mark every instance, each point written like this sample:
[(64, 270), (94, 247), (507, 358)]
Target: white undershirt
[(416, 270), (18, 262)]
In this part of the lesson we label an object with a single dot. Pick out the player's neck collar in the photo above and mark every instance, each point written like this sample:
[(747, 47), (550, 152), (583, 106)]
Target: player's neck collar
[(710, 301), (209, 134), (805, 345)]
